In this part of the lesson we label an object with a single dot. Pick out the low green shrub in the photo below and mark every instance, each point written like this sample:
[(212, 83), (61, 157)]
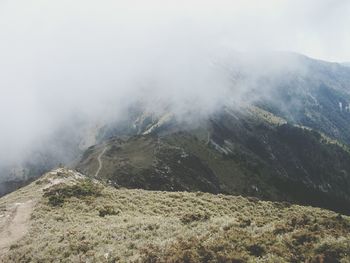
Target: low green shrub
[(332, 251), (107, 210), (192, 217), (256, 250), (57, 194)]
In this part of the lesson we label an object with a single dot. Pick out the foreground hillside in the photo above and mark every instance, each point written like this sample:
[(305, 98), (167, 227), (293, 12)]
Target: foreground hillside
[(65, 217)]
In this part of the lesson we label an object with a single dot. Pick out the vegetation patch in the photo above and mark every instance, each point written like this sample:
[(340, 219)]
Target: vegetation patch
[(332, 251), (57, 194), (193, 217), (173, 227), (256, 250), (107, 211)]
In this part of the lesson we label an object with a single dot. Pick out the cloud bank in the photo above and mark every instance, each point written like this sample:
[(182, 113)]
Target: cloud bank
[(64, 64)]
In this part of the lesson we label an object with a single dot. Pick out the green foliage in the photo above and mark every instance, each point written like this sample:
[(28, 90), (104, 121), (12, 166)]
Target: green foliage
[(251, 155), (173, 227), (256, 250), (55, 199), (107, 210), (192, 217), (59, 193), (193, 250), (333, 251)]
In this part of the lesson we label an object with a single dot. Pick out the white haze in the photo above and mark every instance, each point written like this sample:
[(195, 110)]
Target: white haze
[(64, 63)]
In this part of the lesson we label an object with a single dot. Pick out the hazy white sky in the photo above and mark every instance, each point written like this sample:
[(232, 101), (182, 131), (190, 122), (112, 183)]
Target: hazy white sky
[(67, 57), (318, 28)]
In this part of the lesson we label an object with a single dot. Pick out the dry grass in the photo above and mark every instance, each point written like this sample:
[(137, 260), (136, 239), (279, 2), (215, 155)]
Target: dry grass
[(259, 113), (120, 225)]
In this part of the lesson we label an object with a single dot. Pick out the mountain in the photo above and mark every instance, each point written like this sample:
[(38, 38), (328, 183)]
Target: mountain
[(67, 216), (281, 132), (264, 176), (301, 90), (284, 136), (248, 152)]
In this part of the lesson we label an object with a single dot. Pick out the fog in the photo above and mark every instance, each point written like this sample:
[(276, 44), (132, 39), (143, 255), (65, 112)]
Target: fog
[(65, 65)]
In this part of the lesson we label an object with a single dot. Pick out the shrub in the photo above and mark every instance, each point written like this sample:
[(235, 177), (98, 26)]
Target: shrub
[(42, 181), (57, 194), (332, 251), (256, 250), (301, 237), (193, 250), (56, 200), (245, 222), (192, 217), (107, 210)]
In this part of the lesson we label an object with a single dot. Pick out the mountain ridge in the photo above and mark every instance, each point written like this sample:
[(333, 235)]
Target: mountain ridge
[(75, 218), (236, 152), (249, 130)]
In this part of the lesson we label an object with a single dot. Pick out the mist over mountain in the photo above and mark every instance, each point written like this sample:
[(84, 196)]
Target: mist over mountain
[(175, 131), (278, 132), (66, 66), (298, 89)]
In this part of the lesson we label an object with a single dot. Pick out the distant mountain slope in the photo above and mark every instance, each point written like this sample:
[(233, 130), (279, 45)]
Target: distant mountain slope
[(73, 219), (279, 133), (303, 91), (249, 152)]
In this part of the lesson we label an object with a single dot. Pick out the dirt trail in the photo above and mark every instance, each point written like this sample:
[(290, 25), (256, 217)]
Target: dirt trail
[(15, 219), (14, 224), (100, 162)]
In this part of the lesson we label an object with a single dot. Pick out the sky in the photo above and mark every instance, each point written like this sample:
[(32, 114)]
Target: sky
[(62, 60)]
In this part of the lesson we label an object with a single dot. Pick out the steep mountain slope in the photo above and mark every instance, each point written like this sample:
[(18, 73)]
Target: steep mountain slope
[(74, 219), (249, 152), (285, 138), (301, 90), (316, 95)]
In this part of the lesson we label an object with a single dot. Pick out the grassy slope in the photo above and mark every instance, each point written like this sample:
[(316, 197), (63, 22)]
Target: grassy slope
[(92, 222), (251, 153)]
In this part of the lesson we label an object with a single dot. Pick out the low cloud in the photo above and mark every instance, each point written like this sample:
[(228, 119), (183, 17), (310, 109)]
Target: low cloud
[(66, 65)]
